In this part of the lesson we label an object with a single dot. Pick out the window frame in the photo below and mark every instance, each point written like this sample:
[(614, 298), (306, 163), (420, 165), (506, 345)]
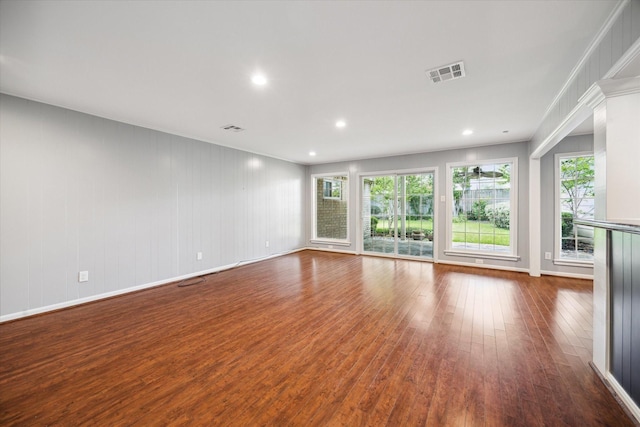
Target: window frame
[(332, 182), (513, 210), (314, 206), (557, 229), (398, 172)]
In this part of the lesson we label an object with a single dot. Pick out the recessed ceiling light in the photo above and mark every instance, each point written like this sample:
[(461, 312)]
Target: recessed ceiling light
[(259, 80), (467, 132), (340, 124), (312, 153)]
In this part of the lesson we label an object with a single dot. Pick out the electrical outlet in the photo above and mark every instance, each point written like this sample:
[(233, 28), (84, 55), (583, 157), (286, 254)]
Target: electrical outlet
[(83, 276), (443, 199), (479, 261), (266, 244), (199, 256), (547, 255), (330, 246)]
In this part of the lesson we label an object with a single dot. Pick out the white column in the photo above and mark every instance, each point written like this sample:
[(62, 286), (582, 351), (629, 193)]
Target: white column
[(616, 106), (534, 217)]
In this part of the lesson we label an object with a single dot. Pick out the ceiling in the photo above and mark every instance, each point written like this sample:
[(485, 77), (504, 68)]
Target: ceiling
[(186, 68)]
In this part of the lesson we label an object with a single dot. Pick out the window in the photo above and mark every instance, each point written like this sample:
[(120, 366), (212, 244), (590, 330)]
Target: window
[(481, 209), (331, 208), (332, 188), (575, 175)]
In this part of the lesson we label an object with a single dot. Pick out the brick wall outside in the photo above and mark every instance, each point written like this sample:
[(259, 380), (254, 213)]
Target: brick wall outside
[(331, 214)]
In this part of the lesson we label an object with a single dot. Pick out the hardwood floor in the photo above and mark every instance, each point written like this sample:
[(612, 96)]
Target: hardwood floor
[(315, 338)]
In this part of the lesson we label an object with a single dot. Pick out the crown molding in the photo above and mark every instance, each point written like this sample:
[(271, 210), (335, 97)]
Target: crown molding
[(609, 88), (600, 35)]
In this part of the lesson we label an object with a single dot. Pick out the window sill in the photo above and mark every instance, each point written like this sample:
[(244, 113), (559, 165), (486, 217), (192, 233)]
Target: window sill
[(483, 255), (573, 263), (331, 242)]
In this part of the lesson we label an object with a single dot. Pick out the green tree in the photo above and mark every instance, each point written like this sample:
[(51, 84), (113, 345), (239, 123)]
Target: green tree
[(419, 187), (576, 181), (505, 170), (382, 190), (461, 183)]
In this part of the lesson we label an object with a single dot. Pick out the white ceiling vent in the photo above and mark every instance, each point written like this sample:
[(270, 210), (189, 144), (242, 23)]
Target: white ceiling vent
[(447, 72), (232, 128)]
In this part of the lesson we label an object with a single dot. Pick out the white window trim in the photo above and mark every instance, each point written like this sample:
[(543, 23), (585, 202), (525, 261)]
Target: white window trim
[(314, 223), (557, 241), (513, 207)]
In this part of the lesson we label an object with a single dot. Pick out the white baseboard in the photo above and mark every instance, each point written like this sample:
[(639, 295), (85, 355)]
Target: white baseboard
[(486, 266), (79, 301), (569, 275), (392, 256), (435, 261), (622, 395), (340, 251)]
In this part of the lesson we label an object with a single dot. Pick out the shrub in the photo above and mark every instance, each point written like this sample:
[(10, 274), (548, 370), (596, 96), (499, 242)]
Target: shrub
[(428, 234), (567, 224), (478, 211), (499, 216), (459, 218)]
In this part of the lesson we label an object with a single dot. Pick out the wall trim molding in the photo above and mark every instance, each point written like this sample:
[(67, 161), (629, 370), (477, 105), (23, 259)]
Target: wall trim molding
[(568, 275), (624, 60), (392, 256), (593, 96), (577, 115), (106, 295), (623, 396), (485, 266), (112, 294), (600, 35), (197, 138), (339, 251)]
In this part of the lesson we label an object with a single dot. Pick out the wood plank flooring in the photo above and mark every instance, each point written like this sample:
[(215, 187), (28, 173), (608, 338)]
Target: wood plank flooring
[(315, 338)]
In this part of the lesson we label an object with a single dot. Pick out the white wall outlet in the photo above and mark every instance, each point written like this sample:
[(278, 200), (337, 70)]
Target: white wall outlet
[(330, 246), (199, 256), (266, 244), (547, 255), (83, 276), (443, 199), (479, 261)]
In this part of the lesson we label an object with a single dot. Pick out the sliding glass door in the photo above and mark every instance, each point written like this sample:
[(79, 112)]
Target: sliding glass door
[(397, 214)]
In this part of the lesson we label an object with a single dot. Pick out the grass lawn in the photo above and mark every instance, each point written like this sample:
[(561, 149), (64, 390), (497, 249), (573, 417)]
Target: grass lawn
[(425, 224), (471, 231), (480, 232)]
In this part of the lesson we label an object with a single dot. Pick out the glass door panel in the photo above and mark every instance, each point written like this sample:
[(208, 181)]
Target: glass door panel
[(397, 214), (415, 215), (379, 214)]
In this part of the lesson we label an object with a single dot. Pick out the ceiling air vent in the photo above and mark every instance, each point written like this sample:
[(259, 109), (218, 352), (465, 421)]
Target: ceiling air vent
[(232, 128), (447, 72)]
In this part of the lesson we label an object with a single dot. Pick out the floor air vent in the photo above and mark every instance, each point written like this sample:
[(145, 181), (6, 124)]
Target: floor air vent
[(447, 72)]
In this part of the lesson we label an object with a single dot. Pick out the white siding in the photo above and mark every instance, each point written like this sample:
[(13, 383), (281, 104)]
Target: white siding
[(131, 205)]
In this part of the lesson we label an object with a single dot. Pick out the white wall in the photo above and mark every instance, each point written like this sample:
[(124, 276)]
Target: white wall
[(571, 144), (439, 159), (130, 205)]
